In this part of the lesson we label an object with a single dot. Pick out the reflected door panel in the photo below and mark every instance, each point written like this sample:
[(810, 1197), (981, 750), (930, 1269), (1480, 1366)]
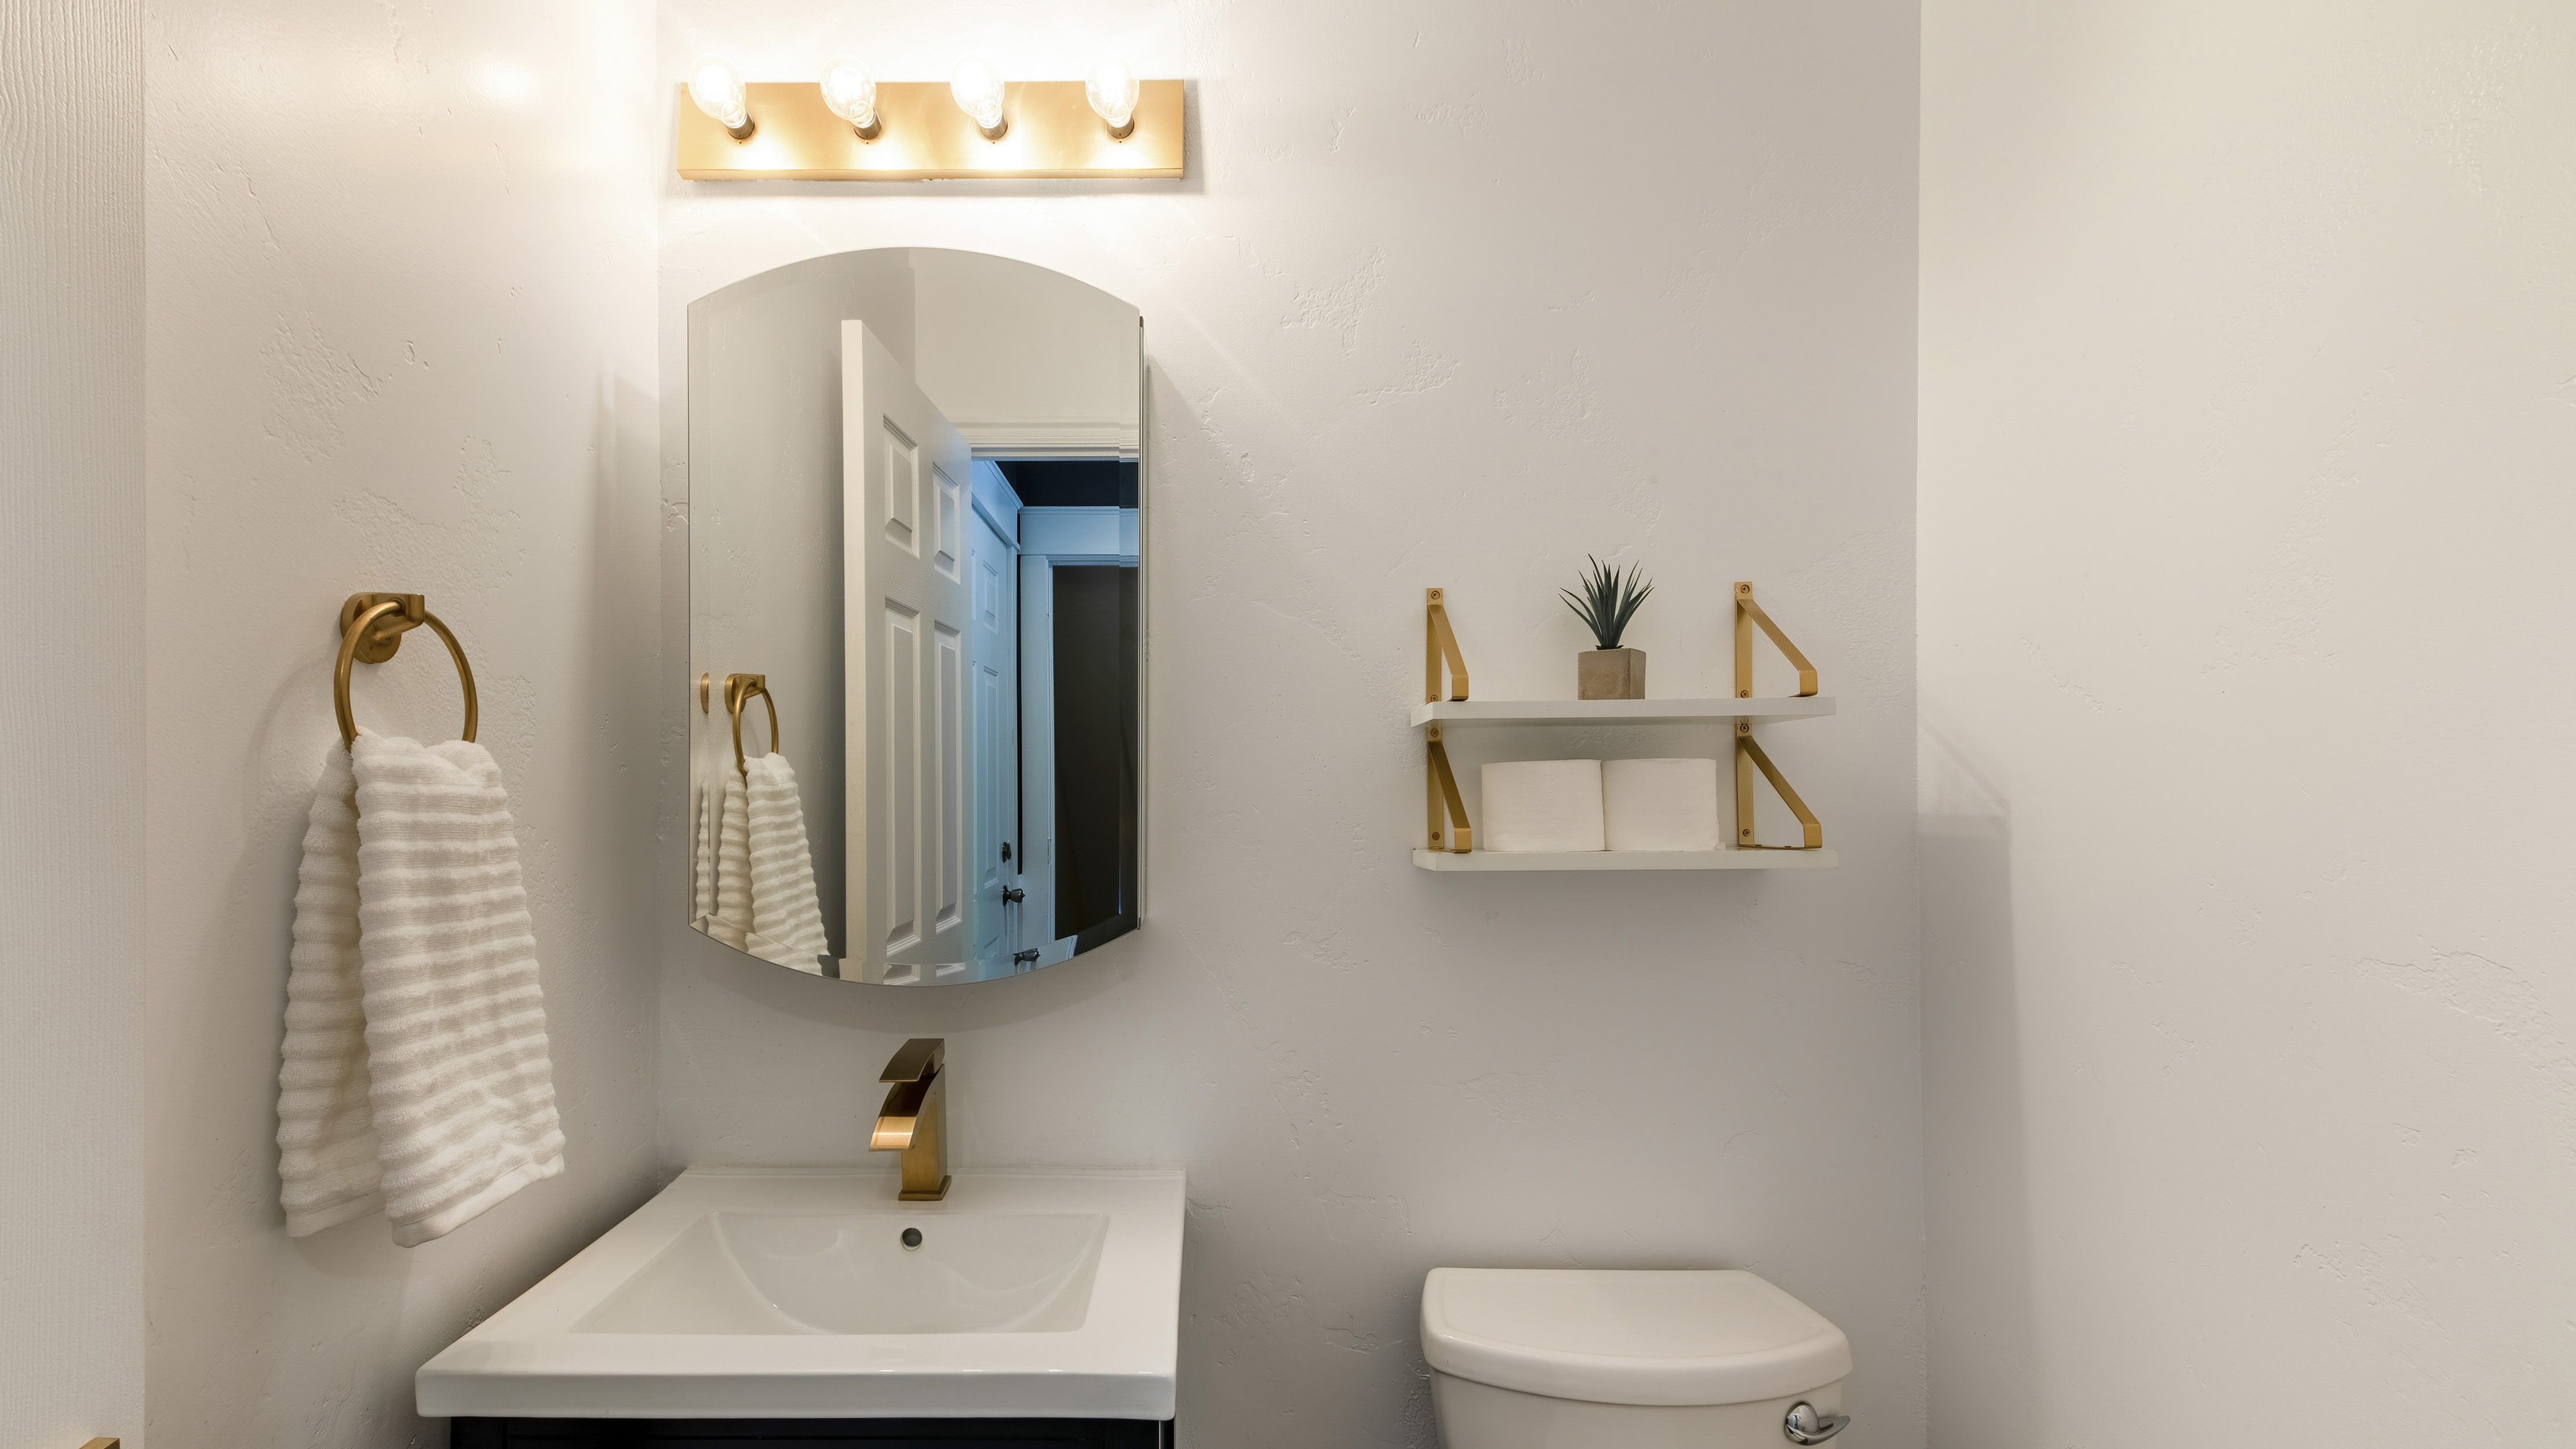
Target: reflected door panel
[(906, 463), (992, 663)]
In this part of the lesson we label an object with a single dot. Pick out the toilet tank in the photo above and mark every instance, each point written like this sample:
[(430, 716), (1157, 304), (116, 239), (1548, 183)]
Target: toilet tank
[(1608, 1359)]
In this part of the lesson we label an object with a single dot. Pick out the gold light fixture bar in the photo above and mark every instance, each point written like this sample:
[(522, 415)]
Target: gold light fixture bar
[(922, 136)]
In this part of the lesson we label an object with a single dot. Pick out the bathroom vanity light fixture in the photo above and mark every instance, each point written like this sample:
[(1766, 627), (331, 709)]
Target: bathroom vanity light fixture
[(718, 90), (847, 126), (850, 93), (1112, 91), (977, 88)]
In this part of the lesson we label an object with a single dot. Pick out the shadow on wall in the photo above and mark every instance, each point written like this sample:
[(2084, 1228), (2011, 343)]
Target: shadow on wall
[(1983, 1343)]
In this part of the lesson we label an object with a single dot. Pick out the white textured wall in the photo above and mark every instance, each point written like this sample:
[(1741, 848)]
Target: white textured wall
[(1454, 292), (71, 848), (2248, 341), (1010, 345), (401, 330)]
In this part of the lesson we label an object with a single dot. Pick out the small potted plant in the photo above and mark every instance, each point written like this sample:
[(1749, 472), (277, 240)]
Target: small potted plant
[(1605, 604)]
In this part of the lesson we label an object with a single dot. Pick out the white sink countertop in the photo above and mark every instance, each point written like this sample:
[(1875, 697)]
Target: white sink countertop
[(789, 1293)]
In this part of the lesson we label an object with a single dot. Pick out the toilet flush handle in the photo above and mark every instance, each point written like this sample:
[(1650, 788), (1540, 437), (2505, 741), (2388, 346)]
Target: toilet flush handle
[(1805, 1426)]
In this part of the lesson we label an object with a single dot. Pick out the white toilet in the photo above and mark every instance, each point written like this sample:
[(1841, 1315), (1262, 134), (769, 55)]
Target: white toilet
[(1596, 1359)]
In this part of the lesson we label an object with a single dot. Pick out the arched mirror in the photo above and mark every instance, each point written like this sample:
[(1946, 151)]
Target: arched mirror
[(916, 518)]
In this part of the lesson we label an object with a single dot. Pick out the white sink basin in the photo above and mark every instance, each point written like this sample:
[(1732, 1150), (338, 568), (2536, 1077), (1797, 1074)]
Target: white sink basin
[(790, 1293)]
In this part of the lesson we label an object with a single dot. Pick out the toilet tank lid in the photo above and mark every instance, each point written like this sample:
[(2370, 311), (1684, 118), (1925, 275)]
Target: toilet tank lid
[(1628, 1337)]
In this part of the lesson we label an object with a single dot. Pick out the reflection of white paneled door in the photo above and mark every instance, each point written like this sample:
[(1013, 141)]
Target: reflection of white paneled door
[(904, 481), (1037, 757), (992, 667)]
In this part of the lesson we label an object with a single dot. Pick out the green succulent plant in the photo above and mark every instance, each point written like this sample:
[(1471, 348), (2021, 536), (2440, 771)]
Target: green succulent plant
[(1608, 601)]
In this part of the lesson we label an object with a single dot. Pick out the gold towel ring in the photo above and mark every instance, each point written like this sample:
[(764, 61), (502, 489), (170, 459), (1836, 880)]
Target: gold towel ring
[(739, 688), (371, 628)]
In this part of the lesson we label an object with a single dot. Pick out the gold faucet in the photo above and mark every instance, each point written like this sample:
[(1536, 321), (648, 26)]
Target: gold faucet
[(912, 1121)]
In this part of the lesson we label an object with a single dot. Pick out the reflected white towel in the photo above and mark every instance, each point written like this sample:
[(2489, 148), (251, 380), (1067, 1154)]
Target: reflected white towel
[(786, 920), (731, 922), (702, 856), (452, 1066)]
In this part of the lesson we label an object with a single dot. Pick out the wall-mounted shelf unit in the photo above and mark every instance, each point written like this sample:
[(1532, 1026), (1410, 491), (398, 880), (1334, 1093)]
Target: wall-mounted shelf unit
[(1757, 859), (1450, 836), (1459, 713)]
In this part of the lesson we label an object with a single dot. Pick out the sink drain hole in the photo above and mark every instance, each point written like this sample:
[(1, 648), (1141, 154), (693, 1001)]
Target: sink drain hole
[(911, 1239)]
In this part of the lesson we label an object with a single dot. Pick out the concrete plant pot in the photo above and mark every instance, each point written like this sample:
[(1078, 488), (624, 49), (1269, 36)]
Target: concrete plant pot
[(1610, 674)]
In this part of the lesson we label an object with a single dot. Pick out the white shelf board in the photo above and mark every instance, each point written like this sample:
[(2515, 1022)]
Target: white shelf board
[(1629, 860), (1455, 713)]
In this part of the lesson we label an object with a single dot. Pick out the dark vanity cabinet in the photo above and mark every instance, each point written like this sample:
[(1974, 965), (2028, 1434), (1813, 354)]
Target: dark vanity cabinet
[(809, 1434)]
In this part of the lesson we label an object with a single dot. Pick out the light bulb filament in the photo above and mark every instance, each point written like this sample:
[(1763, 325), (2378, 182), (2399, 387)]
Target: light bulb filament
[(976, 86), (718, 90), (1113, 90), (851, 94)]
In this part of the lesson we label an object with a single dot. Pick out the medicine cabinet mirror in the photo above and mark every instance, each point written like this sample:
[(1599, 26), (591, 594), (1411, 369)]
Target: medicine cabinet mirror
[(916, 518)]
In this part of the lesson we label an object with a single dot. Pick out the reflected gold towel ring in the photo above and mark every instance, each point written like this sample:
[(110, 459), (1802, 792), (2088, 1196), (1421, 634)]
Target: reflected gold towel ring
[(371, 628), (739, 688)]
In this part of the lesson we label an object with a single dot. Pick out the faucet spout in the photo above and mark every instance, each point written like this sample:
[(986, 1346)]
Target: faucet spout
[(913, 1120)]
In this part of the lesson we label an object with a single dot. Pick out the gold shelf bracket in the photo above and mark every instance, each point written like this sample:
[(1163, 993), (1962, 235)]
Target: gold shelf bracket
[(1748, 758), (1447, 808), (1748, 614), (1440, 641)]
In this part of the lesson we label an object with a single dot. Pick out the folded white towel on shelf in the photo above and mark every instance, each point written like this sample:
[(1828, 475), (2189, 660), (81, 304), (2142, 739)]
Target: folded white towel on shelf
[(786, 920), (1659, 804), (416, 1076)]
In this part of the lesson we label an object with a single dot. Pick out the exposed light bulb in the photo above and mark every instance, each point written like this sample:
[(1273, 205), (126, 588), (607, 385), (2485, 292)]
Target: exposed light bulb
[(851, 93), (977, 88), (1113, 89), (718, 89)]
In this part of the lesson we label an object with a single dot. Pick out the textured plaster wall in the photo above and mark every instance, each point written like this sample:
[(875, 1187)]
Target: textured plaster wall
[(71, 604), (1454, 293), (400, 325), (2247, 409)]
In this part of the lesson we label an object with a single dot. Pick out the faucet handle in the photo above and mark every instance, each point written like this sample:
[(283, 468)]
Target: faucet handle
[(919, 1060)]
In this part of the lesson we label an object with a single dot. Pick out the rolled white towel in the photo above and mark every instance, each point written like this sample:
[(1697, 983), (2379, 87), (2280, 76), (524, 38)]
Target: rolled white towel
[(1541, 805), (1659, 804)]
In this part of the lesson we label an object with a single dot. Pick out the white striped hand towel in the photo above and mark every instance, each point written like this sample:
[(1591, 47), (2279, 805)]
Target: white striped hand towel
[(785, 918), (326, 1133), (459, 1094), (702, 856), (731, 922)]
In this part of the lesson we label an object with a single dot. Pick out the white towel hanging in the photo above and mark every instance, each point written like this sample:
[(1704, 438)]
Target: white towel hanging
[(786, 919), (412, 988)]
